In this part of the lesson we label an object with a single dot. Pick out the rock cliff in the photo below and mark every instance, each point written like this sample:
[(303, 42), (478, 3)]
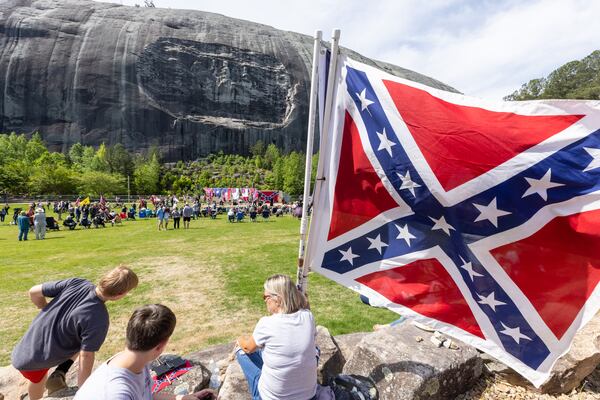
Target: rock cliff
[(189, 82)]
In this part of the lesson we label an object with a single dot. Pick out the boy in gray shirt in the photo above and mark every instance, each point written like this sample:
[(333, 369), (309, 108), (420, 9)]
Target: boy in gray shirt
[(126, 375), (73, 325)]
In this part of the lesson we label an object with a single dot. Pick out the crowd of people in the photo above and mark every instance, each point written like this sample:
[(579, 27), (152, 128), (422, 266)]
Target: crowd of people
[(101, 213), (279, 359)]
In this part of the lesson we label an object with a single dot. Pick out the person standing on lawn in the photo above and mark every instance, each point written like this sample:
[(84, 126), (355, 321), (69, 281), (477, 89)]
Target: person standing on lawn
[(126, 375), (23, 223), (73, 325), (187, 215), (39, 224)]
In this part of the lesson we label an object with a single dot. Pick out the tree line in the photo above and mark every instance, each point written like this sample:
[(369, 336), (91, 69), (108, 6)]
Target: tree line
[(27, 166), (579, 79)]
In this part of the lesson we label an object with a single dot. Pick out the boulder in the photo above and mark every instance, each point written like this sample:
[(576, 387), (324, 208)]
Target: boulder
[(65, 394), (347, 343), (12, 384), (405, 364), (330, 360), (196, 379), (220, 354), (234, 385), (569, 371)]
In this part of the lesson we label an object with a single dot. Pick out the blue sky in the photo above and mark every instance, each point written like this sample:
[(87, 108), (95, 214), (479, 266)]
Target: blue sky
[(483, 48)]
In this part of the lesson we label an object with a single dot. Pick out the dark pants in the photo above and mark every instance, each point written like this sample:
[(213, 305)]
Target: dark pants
[(23, 233), (176, 223)]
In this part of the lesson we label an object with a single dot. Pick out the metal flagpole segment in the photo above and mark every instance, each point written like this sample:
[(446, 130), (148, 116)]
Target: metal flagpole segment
[(303, 269), (312, 111), (335, 37)]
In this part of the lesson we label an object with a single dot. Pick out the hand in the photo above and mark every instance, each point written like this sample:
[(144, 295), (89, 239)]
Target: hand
[(206, 394)]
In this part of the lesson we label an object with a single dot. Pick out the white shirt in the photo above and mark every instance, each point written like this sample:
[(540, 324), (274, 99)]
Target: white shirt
[(115, 383), (289, 369)]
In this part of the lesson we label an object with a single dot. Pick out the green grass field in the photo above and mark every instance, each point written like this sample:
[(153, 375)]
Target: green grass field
[(210, 275)]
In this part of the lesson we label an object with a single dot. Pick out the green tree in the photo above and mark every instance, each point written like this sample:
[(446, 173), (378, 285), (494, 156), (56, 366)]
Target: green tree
[(95, 183), (293, 180), (258, 148), (271, 156), (35, 148), (76, 154), (100, 160), (119, 160), (146, 176), (53, 179)]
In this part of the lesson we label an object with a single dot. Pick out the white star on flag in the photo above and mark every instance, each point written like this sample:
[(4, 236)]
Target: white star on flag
[(385, 143), (595, 163), (364, 102), (490, 212), (441, 224), (403, 233), (376, 243), (541, 186), (490, 300), (467, 266), (348, 256), (407, 182), (514, 333)]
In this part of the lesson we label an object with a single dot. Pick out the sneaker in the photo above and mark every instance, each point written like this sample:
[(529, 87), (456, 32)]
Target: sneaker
[(56, 381)]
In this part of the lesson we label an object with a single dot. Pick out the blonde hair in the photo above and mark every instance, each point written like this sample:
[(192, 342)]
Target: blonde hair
[(118, 281), (290, 298)]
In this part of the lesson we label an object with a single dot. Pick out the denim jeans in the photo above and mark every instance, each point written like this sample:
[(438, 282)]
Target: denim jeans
[(252, 367), (23, 233)]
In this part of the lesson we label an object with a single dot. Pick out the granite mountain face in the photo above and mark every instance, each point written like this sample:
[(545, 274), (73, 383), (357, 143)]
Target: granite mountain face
[(189, 82)]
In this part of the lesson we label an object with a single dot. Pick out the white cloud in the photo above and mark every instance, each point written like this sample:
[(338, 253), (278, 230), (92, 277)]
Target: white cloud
[(483, 48)]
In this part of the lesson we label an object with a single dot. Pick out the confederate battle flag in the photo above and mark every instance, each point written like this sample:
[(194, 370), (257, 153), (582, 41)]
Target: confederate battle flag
[(478, 218)]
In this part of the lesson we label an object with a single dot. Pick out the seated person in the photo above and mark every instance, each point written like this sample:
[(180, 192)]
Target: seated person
[(98, 220), (239, 216), (279, 360), (85, 222), (69, 222), (231, 215), (266, 212), (126, 375)]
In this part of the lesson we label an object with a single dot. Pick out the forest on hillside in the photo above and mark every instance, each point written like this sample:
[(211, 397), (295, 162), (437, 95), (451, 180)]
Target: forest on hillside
[(27, 167), (579, 79)]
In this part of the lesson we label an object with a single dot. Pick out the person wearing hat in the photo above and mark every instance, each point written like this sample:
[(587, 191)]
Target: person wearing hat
[(39, 224), (23, 223)]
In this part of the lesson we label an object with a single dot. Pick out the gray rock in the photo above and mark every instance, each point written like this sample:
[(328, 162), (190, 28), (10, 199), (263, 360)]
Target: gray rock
[(189, 82), (195, 380), (219, 353), (404, 369), (348, 342), (569, 371), (330, 361), (234, 386), (64, 394)]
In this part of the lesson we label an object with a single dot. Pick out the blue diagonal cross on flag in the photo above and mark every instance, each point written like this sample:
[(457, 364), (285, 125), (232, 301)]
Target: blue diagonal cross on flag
[(479, 218)]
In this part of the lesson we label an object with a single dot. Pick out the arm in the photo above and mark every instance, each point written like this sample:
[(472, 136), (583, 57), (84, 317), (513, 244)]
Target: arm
[(37, 297), (86, 363), (205, 394), (247, 344)]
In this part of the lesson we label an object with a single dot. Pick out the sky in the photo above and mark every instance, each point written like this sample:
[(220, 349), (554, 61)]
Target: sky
[(484, 48)]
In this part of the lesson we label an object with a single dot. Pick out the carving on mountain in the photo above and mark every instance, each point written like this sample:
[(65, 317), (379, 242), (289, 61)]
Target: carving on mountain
[(189, 82)]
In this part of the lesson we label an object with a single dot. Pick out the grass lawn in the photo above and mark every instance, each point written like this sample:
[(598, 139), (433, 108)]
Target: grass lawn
[(210, 275)]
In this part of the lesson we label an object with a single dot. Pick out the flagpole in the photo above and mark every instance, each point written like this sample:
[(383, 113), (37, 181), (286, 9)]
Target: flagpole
[(312, 111), (303, 269)]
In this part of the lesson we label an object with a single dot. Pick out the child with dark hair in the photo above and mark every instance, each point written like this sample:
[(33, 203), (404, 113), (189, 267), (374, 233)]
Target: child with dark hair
[(126, 375)]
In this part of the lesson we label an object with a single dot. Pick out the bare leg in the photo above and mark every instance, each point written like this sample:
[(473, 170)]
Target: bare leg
[(36, 390)]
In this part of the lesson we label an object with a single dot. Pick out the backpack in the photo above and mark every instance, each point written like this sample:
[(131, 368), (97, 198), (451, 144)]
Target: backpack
[(353, 387)]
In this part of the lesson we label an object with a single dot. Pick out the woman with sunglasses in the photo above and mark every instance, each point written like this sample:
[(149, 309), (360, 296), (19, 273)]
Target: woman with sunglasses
[(279, 359)]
